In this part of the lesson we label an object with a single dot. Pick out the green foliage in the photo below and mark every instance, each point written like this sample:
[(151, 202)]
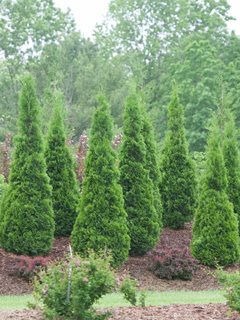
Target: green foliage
[(60, 169), (68, 289), (215, 230), (231, 283), (232, 163), (178, 183), (152, 163), (22, 41), (3, 187), (102, 221), (129, 290), (27, 224), (138, 189), (76, 68), (194, 59)]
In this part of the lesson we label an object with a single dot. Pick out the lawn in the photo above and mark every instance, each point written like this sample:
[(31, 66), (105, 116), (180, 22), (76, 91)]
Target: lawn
[(153, 298)]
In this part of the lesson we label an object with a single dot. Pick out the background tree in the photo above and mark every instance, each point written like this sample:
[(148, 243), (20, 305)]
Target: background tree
[(152, 162), (60, 169), (102, 221), (178, 183), (190, 36), (27, 223), (22, 42), (215, 230), (138, 189)]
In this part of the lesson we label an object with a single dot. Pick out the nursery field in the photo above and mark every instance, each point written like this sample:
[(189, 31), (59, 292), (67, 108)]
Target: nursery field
[(165, 299)]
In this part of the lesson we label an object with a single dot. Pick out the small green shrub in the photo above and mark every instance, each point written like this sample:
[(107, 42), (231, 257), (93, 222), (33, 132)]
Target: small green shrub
[(129, 290), (68, 290), (231, 282)]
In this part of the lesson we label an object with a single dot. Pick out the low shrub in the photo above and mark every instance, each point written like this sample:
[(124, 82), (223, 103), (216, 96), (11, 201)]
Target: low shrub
[(173, 263), (27, 267), (129, 290), (68, 290), (231, 283)]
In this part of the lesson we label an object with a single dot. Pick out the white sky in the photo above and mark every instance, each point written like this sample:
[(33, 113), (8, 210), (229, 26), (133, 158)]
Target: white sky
[(89, 12)]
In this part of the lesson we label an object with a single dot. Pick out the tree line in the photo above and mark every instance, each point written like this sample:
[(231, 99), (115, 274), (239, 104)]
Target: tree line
[(126, 198), (150, 42)]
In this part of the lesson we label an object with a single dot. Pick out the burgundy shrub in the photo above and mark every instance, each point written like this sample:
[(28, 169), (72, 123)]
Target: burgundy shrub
[(173, 263)]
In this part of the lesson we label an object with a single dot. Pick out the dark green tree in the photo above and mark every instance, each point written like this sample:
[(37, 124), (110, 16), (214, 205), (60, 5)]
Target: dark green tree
[(215, 230), (60, 169), (102, 220), (27, 225), (138, 189), (152, 162), (232, 163), (178, 183)]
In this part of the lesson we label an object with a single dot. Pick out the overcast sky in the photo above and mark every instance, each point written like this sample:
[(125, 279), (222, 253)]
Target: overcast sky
[(89, 12)]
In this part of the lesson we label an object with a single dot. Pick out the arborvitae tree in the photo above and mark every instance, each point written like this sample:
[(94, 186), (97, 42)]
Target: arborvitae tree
[(151, 162), (27, 217), (178, 181), (60, 169), (102, 220), (138, 189), (232, 163), (215, 230)]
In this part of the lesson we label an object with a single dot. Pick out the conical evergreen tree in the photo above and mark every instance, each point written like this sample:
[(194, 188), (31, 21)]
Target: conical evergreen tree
[(102, 220), (28, 223), (232, 163), (178, 181), (60, 169), (138, 189), (151, 162), (215, 230)]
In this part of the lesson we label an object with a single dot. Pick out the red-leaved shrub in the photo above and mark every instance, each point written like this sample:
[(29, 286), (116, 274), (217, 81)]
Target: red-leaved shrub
[(173, 263), (27, 267)]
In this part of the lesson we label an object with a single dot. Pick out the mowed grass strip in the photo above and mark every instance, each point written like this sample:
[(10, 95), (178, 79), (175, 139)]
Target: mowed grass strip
[(153, 298)]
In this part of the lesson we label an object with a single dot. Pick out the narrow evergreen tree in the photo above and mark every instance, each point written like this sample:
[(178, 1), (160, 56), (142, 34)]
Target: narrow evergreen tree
[(138, 189), (215, 229), (231, 159), (178, 183), (152, 163), (60, 169), (102, 220), (27, 217)]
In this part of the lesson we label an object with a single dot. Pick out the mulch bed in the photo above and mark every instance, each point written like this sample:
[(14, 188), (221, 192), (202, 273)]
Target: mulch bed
[(10, 283), (138, 268), (173, 312)]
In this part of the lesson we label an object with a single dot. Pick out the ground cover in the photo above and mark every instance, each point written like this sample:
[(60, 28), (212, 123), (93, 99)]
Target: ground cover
[(138, 268)]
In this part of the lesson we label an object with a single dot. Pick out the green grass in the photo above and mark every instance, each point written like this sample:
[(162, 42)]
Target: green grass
[(153, 298), (14, 302)]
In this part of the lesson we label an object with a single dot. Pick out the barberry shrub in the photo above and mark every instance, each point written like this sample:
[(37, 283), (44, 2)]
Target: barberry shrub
[(173, 263), (60, 169), (27, 267), (102, 220), (138, 188), (69, 289), (178, 181), (27, 223), (215, 229)]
